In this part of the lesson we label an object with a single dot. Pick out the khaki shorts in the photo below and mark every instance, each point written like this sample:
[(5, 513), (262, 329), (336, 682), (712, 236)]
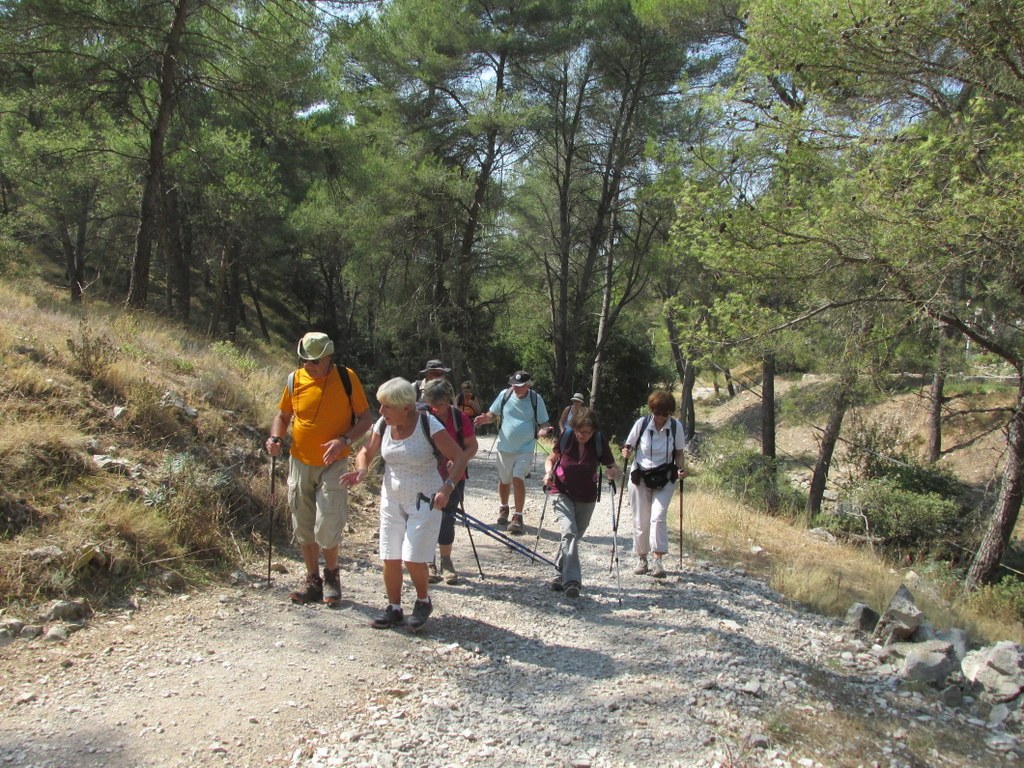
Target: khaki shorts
[(319, 503), (513, 464)]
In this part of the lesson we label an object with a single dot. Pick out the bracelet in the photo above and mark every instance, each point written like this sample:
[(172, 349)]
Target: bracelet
[(449, 483)]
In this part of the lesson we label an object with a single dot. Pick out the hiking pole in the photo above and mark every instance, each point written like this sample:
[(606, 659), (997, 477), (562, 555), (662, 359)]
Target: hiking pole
[(273, 513), (681, 480), (617, 514), (503, 538), (540, 525), (462, 508), (615, 543)]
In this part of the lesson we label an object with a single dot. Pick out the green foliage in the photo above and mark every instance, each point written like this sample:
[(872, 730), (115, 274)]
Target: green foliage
[(728, 464), (879, 452), (902, 519), (241, 361)]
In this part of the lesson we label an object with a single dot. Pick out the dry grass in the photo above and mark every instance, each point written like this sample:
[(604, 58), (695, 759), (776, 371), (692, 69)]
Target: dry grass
[(827, 577), (66, 371)]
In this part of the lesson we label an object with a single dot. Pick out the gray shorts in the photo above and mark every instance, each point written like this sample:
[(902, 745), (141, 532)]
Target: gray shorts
[(319, 503)]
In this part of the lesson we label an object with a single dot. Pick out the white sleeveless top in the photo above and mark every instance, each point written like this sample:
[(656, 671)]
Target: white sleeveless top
[(410, 468)]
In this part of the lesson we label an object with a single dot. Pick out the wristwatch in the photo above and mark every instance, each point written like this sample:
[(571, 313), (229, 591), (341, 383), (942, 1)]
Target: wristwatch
[(275, 439), (346, 439)]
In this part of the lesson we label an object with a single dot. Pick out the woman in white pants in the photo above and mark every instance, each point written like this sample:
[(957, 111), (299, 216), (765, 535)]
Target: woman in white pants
[(657, 443)]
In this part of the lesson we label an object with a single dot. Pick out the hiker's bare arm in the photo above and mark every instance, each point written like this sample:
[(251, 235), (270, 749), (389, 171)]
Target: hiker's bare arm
[(363, 422), (278, 429), (366, 455)]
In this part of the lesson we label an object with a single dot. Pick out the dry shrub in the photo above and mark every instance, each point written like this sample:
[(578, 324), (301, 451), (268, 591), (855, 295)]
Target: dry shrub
[(92, 352), (145, 414), (39, 453), (31, 381), (145, 533), (221, 385)]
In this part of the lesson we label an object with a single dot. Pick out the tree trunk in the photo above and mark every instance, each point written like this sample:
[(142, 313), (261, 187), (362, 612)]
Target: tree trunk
[(221, 290), (829, 438), (935, 400), (72, 263), (138, 285), (1004, 516), (768, 406), (254, 292), (687, 410), (768, 430)]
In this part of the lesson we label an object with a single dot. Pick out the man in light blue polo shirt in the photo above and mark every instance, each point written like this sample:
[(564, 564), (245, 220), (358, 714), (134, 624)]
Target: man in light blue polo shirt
[(524, 417)]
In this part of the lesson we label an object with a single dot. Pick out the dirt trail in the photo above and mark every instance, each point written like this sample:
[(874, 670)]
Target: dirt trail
[(703, 667)]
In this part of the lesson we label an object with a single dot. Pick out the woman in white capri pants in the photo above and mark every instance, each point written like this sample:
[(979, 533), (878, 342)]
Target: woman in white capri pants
[(657, 443)]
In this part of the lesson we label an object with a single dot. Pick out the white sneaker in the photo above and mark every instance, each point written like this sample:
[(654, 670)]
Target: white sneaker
[(641, 566)]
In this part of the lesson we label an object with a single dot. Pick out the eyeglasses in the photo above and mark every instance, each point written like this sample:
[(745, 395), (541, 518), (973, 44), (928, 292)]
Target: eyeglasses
[(585, 432)]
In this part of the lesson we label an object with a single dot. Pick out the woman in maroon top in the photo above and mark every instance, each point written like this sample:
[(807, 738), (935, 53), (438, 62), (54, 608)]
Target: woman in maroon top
[(570, 473)]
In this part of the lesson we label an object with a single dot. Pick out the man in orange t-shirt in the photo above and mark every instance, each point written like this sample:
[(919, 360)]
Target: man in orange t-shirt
[(325, 421)]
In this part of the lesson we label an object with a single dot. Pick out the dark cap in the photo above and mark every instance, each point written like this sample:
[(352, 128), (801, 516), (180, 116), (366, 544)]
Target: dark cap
[(435, 365), (519, 378)]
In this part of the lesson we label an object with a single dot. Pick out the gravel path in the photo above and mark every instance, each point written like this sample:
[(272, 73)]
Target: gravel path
[(707, 667)]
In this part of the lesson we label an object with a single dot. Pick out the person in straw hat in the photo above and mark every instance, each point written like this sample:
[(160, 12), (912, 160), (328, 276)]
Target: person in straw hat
[(326, 408)]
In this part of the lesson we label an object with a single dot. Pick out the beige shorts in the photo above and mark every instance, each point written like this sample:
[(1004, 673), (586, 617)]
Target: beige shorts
[(319, 503), (513, 464)]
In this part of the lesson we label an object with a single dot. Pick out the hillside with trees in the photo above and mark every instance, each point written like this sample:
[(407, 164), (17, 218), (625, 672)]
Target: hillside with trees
[(614, 195)]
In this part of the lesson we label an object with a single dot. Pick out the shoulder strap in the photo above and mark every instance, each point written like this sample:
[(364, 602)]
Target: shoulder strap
[(508, 394), (458, 416), (563, 441), (380, 429), (425, 426), (291, 383), (346, 382)]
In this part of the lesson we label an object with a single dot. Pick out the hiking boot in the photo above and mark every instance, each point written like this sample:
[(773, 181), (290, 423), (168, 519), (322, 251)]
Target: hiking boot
[(392, 617), (448, 571), (657, 569), (572, 590), (556, 584), (420, 613), (313, 593), (503, 514), (435, 576), (516, 526), (641, 566), (332, 586)]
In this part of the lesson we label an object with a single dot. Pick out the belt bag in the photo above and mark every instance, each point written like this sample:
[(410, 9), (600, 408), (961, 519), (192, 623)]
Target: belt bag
[(656, 477)]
